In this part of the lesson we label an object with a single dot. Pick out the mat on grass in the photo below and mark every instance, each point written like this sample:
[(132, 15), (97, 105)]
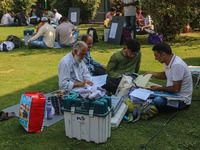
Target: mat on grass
[(47, 123)]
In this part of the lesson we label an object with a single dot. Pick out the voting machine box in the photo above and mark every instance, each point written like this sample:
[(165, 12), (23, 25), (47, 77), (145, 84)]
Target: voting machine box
[(27, 35), (87, 120)]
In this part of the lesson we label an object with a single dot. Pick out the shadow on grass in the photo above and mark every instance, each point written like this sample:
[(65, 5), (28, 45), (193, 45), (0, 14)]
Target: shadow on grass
[(193, 61), (46, 86)]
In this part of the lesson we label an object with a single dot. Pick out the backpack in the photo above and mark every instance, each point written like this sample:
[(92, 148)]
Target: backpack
[(93, 33), (140, 110), (126, 34), (17, 42)]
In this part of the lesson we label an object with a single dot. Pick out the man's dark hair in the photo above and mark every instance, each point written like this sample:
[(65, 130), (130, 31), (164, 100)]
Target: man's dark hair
[(10, 11), (85, 37), (162, 47), (45, 9), (113, 9), (33, 6), (63, 19), (133, 45)]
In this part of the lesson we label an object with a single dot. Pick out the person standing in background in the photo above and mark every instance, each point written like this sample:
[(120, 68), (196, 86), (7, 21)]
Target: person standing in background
[(130, 14)]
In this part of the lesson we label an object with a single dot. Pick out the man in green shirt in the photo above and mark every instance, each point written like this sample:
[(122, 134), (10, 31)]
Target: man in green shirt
[(126, 61), (48, 14)]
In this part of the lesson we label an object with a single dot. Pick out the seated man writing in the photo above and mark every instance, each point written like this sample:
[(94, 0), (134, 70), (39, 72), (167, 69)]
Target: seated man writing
[(93, 66), (66, 33), (179, 79), (72, 71), (45, 37), (126, 61)]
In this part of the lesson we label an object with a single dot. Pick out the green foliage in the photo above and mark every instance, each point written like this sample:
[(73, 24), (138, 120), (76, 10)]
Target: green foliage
[(169, 17), (117, 5), (5, 6), (88, 8), (23, 5)]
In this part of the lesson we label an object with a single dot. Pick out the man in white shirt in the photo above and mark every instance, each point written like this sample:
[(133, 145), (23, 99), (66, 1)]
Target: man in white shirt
[(72, 71), (56, 17), (45, 37), (179, 79), (130, 14), (7, 19)]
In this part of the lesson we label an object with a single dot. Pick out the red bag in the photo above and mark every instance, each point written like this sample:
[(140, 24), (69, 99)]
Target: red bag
[(32, 111)]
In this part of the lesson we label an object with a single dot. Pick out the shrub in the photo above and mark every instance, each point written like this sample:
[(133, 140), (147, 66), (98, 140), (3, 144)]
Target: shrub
[(169, 17)]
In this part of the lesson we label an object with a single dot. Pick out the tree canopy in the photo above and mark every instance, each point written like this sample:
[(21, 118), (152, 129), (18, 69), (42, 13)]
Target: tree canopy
[(169, 17), (88, 8)]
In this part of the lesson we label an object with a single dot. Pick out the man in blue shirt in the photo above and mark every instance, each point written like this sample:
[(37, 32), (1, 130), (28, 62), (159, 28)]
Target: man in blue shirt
[(94, 67)]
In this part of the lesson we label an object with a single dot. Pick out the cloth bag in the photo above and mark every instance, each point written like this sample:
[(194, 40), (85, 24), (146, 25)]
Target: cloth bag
[(125, 85), (7, 46), (155, 38), (139, 110), (32, 111)]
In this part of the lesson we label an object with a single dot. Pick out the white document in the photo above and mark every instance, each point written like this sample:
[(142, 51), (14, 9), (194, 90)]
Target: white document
[(99, 80), (142, 94), (113, 30), (73, 16)]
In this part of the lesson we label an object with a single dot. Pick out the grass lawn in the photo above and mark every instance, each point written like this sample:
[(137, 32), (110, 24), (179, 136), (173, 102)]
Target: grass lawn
[(35, 70)]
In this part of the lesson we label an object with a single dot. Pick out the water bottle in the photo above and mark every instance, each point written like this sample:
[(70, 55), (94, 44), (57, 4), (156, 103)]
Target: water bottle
[(49, 110)]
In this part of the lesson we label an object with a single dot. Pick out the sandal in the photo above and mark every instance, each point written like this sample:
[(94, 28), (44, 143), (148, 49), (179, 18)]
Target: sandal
[(6, 115)]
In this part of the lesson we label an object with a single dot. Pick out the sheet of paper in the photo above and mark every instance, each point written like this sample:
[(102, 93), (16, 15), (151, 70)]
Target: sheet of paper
[(113, 30), (141, 93), (149, 84), (141, 81), (73, 16), (99, 80)]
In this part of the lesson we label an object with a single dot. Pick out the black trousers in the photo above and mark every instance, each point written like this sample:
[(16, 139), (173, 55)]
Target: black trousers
[(99, 71), (111, 84)]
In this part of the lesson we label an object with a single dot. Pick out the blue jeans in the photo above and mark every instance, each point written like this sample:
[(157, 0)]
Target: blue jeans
[(130, 24), (161, 104), (39, 43), (75, 35)]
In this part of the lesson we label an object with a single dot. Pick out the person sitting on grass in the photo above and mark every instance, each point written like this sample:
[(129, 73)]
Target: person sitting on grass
[(109, 17), (44, 38), (48, 14), (140, 19), (147, 27), (66, 33), (72, 71), (177, 74), (56, 17), (126, 61), (7, 19), (94, 67), (35, 15)]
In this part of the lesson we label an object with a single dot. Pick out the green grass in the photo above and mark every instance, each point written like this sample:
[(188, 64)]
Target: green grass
[(28, 70)]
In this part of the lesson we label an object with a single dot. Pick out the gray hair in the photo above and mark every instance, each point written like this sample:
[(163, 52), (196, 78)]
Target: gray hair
[(79, 46)]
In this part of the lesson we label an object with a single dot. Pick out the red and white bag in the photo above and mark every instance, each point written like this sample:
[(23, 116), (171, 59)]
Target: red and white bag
[(32, 111)]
